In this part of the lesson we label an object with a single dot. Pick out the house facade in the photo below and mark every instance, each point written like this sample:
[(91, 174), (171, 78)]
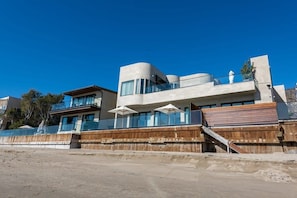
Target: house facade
[(144, 88), (84, 109), (7, 103)]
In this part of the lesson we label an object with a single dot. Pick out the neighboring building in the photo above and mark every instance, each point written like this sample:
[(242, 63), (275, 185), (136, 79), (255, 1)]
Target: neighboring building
[(143, 88), (291, 94), (87, 106), (7, 103)]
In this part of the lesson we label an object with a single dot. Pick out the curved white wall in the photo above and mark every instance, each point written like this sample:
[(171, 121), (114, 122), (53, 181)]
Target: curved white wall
[(195, 79), (172, 78)]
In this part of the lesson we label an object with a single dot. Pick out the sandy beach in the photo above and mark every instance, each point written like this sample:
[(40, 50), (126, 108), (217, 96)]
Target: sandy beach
[(34, 172)]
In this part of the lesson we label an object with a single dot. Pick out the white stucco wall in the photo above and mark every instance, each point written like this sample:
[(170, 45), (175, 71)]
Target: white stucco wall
[(186, 93), (198, 86)]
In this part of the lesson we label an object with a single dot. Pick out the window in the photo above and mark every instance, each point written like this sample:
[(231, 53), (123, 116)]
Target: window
[(187, 115), (127, 88), (248, 102), (208, 106), (83, 100), (69, 123), (174, 85), (226, 104), (139, 86), (148, 88), (144, 119), (89, 123), (90, 99), (238, 103), (161, 119), (89, 117)]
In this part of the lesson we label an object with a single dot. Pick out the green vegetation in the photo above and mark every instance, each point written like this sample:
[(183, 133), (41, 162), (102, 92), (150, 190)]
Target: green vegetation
[(35, 108), (247, 70)]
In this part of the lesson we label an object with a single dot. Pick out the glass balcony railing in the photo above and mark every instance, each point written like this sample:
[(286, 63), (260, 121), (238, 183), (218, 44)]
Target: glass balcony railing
[(286, 111), (68, 127), (69, 105), (195, 81), (136, 121), (31, 131), (174, 119)]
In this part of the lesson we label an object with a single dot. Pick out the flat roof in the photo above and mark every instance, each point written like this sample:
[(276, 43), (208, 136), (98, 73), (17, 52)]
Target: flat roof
[(87, 89)]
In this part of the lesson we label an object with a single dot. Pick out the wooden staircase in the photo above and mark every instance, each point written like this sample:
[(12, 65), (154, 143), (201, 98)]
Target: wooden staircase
[(230, 145)]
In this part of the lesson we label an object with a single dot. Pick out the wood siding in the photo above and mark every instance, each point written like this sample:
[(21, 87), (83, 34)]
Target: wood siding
[(181, 139), (53, 140), (265, 113)]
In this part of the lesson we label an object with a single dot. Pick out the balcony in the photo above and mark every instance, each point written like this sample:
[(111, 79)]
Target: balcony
[(190, 88), (67, 107)]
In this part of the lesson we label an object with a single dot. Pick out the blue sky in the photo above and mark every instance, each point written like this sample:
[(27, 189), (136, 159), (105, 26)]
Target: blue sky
[(58, 45)]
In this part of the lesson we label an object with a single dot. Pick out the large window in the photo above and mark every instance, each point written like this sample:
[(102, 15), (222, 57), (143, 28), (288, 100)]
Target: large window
[(83, 100), (89, 123), (160, 119), (127, 88), (69, 123), (142, 119)]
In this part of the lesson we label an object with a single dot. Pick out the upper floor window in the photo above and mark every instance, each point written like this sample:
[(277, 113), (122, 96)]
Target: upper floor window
[(84, 100), (139, 86), (127, 88)]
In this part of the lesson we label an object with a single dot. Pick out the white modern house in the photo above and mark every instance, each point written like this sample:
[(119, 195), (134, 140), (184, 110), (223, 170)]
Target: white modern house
[(144, 88), (85, 109), (7, 103)]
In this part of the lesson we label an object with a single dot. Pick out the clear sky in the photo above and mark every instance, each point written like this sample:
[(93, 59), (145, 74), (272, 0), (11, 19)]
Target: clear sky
[(55, 46)]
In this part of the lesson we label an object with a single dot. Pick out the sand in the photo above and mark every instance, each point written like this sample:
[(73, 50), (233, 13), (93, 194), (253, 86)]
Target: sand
[(33, 172)]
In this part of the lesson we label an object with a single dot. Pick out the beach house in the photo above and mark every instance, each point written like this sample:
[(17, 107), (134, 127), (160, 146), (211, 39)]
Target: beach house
[(83, 108), (144, 88)]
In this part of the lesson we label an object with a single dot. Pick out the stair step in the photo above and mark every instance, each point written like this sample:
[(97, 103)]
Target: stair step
[(223, 140)]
